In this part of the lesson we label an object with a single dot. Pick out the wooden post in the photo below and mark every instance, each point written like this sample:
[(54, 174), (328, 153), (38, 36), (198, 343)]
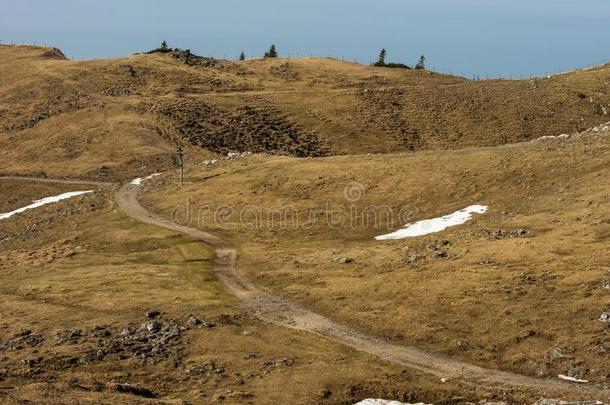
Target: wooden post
[(180, 153)]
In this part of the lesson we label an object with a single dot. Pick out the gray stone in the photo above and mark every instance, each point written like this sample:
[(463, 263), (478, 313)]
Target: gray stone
[(193, 320)]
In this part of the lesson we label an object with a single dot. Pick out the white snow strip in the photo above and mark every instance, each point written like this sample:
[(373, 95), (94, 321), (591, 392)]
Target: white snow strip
[(385, 402), (435, 224), (138, 180), (44, 201), (568, 378)]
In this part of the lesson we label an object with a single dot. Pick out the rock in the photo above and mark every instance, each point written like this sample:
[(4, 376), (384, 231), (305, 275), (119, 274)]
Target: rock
[(152, 314), (556, 354), (71, 336), (606, 284), (22, 340), (31, 361), (438, 254), (188, 58), (325, 393), (207, 368), (488, 262), (605, 317), (516, 233), (101, 331), (463, 345), (344, 260), (152, 326), (193, 320), (278, 363)]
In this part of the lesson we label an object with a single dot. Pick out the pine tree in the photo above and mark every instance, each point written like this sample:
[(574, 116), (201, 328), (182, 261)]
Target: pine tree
[(242, 56), (272, 52), (164, 46), (422, 63), (381, 61)]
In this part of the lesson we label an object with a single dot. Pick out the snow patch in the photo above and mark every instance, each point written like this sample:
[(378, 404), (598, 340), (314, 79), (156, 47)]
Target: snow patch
[(385, 402), (572, 379), (138, 180), (435, 224), (548, 137), (44, 201)]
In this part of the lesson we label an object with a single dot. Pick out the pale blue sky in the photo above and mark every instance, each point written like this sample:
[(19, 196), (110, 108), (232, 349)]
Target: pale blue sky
[(485, 37)]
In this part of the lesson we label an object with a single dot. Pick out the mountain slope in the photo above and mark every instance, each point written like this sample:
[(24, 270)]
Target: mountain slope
[(109, 118)]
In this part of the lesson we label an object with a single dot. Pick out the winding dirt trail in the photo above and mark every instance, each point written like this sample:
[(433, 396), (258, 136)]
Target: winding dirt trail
[(281, 312)]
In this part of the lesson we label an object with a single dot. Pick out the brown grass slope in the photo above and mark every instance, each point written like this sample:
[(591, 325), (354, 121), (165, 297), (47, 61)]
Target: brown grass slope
[(77, 281), (110, 118), (485, 291)]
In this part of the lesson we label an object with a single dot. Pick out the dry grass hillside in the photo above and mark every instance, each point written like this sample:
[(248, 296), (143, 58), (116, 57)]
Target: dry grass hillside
[(521, 288), (112, 118), (79, 288), (101, 305)]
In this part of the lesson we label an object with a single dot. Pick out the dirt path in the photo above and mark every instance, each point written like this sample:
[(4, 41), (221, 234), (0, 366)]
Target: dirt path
[(279, 311)]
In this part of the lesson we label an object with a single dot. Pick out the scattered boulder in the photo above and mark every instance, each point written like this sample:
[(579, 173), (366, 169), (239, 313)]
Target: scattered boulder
[(285, 71), (516, 233), (72, 335), (325, 393), (22, 340), (488, 262), (152, 314), (270, 365), (439, 254), (185, 56), (152, 326), (560, 353), (32, 361), (605, 317), (207, 368), (194, 320), (463, 345)]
